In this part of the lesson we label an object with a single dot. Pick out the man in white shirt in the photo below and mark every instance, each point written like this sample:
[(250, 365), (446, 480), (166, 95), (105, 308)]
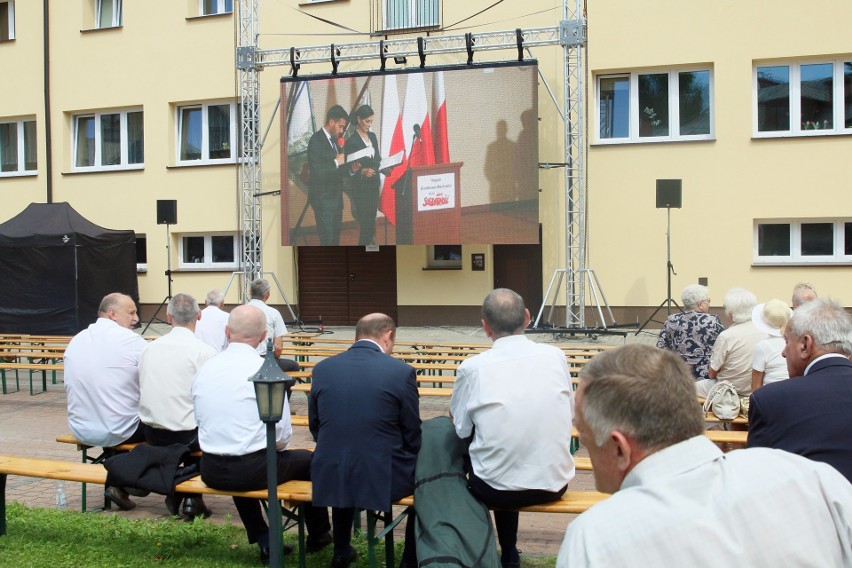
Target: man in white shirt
[(167, 367), (211, 326), (677, 499), (516, 402), (233, 438), (102, 381)]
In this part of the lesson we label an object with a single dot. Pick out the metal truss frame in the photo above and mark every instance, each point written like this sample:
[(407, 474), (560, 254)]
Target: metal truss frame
[(570, 34)]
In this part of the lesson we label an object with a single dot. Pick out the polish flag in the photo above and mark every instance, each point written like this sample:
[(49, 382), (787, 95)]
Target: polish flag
[(439, 99), (392, 142), (415, 117)]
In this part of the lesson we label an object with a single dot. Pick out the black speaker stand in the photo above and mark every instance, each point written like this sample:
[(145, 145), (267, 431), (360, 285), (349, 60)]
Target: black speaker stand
[(669, 272), (168, 277)]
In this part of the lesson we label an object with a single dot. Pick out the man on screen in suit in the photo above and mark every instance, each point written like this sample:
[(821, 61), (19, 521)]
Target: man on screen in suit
[(364, 415), (809, 414), (326, 163)]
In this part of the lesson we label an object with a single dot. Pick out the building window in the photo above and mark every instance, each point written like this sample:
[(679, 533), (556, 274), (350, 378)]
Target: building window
[(109, 141), (803, 99), (444, 256), (108, 13), (7, 21), (408, 14), (211, 7), (655, 107), (807, 241), (141, 253), (208, 251), (206, 133), (18, 150)]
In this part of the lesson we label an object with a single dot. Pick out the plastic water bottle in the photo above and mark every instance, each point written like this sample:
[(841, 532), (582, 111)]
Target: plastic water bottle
[(61, 502)]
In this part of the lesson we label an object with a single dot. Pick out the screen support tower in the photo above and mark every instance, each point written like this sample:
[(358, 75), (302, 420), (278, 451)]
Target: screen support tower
[(570, 35)]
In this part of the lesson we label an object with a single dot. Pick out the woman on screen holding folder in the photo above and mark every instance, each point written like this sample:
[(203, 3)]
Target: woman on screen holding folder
[(364, 187)]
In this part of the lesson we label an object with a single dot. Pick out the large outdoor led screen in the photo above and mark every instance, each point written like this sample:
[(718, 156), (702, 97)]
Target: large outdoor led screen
[(441, 156)]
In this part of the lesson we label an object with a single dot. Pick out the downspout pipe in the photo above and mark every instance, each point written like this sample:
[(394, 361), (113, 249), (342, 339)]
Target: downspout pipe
[(47, 129)]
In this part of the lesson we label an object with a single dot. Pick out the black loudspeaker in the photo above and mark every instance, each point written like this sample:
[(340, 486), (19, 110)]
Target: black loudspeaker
[(167, 211), (669, 193)]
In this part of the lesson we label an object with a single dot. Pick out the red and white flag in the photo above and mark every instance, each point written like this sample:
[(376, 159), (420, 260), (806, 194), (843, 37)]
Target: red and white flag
[(416, 126), (439, 100), (392, 142)]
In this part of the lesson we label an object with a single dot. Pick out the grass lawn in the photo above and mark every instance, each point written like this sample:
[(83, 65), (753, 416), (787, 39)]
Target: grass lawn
[(57, 539)]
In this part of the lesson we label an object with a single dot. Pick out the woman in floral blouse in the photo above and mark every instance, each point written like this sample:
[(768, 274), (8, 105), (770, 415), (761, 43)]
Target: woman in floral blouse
[(691, 334)]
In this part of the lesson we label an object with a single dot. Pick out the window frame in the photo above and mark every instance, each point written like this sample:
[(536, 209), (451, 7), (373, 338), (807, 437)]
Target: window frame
[(205, 133), (207, 263), (433, 263), (10, 14), (795, 95), (796, 258), (634, 112), (124, 144), (116, 18), (21, 148), (221, 8), (414, 19)]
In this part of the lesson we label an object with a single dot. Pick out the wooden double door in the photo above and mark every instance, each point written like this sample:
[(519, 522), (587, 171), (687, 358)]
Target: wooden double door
[(339, 285)]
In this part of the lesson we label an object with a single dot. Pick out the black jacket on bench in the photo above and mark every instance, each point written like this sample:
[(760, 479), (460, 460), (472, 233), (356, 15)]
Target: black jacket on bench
[(152, 468)]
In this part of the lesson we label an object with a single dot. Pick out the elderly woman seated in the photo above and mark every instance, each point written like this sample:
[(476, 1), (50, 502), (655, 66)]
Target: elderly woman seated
[(691, 334)]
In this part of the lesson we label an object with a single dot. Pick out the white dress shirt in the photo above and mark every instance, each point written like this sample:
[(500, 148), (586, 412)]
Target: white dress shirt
[(518, 397), (167, 367), (102, 383), (274, 323), (691, 505), (768, 359), (226, 406), (211, 327)]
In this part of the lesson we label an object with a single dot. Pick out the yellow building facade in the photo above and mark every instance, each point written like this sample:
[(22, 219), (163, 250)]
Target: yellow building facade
[(698, 93)]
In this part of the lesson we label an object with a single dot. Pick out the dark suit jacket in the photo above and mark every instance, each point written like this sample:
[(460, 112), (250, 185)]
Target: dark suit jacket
[(810, 416), (364, 414), (325, 179)]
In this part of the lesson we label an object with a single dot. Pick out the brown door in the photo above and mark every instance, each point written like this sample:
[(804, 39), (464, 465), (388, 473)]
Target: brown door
[(518, 267), (339, 285)]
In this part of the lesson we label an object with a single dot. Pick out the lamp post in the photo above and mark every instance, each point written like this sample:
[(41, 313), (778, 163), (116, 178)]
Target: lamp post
[(269, 387)]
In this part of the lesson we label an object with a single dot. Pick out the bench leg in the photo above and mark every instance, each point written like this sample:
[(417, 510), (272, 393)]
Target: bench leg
[(2, 504)]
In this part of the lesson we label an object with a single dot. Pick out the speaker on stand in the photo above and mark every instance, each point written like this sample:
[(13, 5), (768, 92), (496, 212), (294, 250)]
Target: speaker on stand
[(669, 196), (166, 215)]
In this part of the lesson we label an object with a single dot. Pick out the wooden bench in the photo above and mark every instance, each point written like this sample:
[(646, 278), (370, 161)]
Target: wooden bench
[(293, 494), (31, 367)]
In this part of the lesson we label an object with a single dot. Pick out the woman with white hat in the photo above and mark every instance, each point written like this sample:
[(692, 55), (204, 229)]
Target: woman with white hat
[(769, 365)]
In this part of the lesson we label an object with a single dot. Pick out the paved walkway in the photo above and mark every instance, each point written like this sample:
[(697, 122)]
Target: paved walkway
[(29, 426)]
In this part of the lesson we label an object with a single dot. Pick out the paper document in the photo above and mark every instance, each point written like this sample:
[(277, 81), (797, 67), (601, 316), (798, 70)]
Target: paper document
[(367, 152), (392, 161)]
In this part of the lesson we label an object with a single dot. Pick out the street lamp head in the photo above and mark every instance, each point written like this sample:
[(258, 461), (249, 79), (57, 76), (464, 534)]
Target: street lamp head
[(270, 384)]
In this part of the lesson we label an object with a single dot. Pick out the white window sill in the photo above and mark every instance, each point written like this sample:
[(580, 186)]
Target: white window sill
[(206, 16), (76, 171), (202, 163), (657, 140), (18, 174), (801, 134)]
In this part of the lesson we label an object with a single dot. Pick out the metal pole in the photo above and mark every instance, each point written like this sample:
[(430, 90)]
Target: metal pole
[(273, 510)]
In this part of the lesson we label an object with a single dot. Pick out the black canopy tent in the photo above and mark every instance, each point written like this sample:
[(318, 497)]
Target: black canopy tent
[(57, 266)]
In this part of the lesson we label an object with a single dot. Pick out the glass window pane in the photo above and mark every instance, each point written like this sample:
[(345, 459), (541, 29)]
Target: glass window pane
[(817, 89), (654, 105), (208, 7), (141, 249), (773, 239), (104, 15), (817, 239), (847, 239), (773, 98), (847, 93), (5, 22), (190, 133), (193, 250), (9, 147), (615, 107), (110, 139), (694, 102), (447, 252), (229, 5), (30, 148), (223, 248), (219, 131), (135, 138), (85, 141)]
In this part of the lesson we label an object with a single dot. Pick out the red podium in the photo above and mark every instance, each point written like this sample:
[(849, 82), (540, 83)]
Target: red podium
[(436, 204)]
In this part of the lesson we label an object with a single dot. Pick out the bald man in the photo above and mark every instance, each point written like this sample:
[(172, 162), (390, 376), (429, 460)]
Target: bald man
[(102, 381), (233, 439)]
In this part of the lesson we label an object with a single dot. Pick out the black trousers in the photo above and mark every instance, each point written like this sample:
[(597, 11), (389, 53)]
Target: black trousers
[(248, 473), (160, 437), (506, 519)]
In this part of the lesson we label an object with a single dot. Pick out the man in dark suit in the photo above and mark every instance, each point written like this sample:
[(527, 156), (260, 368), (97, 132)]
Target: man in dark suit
[(364, 414), (809, 414), (326, 162)]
